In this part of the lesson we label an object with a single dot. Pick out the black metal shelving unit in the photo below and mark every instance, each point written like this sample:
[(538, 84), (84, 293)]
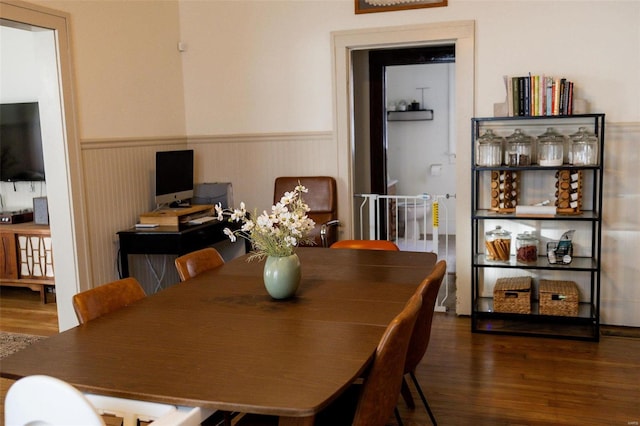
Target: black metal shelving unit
[(586, 266)]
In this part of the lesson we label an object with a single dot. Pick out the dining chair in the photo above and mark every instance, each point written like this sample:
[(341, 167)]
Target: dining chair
[(192, 264), (47, 400), (366, 244), (422, 333), (322, 200), (373, 402), (106, 298)]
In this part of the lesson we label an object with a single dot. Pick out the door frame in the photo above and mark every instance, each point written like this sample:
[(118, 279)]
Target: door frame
[(379, 60), (462, 35), (65, 184)]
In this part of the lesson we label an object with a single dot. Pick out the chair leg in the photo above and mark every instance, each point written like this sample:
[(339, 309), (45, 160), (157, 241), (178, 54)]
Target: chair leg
[(406, 394), (398, 418), (424, 400)]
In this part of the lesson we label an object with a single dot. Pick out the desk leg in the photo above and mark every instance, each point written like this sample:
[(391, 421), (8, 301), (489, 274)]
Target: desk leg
[(124, 263), (296, 421)]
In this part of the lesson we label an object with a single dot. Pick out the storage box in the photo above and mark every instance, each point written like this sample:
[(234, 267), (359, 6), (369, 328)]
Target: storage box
[(213, 193), (559, 298), (512, 295)]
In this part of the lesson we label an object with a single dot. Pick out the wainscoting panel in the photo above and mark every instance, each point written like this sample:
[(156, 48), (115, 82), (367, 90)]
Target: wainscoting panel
[(251, 163), (620, 301), (119, 180)]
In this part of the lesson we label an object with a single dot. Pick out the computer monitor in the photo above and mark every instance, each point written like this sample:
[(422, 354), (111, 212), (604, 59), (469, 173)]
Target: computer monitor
[(21, 156), (174, 177)]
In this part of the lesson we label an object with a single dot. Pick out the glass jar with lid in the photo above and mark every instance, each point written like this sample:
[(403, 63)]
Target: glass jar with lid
[(489, 149), (551, 148), (526, 248), (518, 150), (584, 148), (498, 244)]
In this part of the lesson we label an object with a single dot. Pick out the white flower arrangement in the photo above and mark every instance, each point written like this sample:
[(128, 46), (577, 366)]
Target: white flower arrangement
[(273, 234)]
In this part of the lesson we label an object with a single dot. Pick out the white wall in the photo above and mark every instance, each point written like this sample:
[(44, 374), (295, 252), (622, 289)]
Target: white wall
[(413, 147), (128, 71), (265, 66)]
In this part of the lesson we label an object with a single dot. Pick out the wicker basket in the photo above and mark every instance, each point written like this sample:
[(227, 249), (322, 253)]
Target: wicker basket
[(559, 298), (512, 295)]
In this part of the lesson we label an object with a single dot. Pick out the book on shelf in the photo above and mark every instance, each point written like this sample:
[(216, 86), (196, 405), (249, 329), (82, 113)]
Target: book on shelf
[(509, 87), (539, 95), (549, 96)]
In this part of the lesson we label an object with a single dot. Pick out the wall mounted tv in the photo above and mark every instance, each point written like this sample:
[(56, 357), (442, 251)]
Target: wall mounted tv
[(174, 177), (21, 156)]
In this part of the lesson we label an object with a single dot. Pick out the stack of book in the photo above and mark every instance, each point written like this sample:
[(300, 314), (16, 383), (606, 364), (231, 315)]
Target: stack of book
[(539, 95)]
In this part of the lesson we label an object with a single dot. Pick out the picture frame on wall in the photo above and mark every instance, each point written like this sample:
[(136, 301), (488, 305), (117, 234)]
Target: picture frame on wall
[(370, 6)]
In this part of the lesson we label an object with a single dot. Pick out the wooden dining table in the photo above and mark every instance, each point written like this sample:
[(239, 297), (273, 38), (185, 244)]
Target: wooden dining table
[(220, 342)]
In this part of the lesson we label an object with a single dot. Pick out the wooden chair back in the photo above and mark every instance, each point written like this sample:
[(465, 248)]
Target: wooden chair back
[(377, 397), (322, 200), (197, 262), (381, 386), (422, 331), (106, 298), (366, 245)]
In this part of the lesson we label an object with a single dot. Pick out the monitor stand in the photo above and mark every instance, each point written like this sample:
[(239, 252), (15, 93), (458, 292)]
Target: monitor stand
[(179, 205)]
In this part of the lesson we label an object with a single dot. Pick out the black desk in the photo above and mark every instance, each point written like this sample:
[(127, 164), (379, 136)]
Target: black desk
[(169, 240)]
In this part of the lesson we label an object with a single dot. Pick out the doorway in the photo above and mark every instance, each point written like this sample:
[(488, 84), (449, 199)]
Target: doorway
[(49, 29), (347, 49), (383, 63), (411, 134)]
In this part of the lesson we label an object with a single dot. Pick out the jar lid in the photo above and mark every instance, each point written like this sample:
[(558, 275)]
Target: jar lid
[(499, 232), (519, 137), (528, 236), (551, 136), (490, 138), (583, 136)]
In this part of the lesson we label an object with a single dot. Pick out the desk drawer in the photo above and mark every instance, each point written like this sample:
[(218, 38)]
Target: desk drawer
[(200, 237)]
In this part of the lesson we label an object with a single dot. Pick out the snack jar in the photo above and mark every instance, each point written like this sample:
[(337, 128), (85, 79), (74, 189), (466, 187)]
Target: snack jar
[(526, 248), (551, 148), (498, 244), (489, 149), (518, 151), (584, 148)]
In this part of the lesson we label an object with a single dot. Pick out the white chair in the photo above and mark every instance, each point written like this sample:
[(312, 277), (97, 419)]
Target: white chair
[(45, 400)]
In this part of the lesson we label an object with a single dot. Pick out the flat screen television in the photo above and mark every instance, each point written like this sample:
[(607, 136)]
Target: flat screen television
[(21, 156), (174, 177)]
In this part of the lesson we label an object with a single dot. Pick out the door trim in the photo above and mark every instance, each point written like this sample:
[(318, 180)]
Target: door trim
[(67, 208), (462, 35)]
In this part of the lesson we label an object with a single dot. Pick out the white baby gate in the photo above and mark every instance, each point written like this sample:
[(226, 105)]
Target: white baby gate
[(403, 219)]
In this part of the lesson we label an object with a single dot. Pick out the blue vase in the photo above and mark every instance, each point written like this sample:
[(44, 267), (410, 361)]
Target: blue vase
[(282, 276)]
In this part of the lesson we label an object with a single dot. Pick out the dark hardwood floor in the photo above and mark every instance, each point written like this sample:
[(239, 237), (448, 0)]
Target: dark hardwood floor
[(475, 379)]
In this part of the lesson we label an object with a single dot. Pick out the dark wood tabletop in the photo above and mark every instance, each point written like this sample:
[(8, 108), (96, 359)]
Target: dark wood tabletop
[(218, 341)]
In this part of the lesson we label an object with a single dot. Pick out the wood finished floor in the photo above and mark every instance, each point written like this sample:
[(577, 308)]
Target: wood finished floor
[(473, 379)]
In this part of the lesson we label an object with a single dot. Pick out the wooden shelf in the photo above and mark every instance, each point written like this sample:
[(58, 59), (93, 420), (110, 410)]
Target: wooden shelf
[(419, 115)]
